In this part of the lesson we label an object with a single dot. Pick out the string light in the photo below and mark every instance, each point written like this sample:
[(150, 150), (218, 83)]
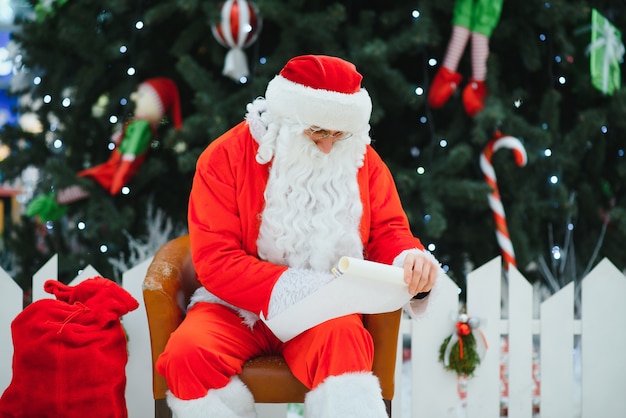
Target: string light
[(556, 252), (420, 170), (419, 91), (415, 14), (6, 13)]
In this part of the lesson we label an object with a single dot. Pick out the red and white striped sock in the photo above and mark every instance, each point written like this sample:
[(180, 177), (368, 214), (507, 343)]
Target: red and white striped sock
[(456, 47), (71, 194), (480, 53)]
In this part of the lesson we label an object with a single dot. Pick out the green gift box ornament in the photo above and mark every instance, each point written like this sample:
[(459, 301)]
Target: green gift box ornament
[(606, 51)]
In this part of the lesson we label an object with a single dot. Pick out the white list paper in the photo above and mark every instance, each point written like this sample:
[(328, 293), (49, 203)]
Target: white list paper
[(362, 287)]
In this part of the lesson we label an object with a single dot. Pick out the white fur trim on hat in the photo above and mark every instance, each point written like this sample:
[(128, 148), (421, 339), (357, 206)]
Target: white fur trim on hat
[(316, 107)]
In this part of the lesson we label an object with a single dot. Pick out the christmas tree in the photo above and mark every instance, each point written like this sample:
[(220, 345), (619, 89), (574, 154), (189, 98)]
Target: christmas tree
[(551, 82)]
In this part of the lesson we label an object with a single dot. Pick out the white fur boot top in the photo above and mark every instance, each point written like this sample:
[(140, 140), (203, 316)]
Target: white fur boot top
[(232, 401), (350, 395)]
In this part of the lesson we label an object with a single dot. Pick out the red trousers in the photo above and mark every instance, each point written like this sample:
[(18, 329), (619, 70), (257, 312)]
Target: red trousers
[(212, 344)]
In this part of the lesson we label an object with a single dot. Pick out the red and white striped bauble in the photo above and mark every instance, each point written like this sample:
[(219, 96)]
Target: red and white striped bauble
[(495, 202), (240, 25)]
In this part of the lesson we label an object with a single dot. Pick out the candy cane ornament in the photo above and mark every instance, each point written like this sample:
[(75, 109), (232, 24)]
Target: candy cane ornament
[(495, 202)]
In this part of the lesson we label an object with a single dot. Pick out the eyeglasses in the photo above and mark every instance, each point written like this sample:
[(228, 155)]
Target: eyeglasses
[(316, 134)]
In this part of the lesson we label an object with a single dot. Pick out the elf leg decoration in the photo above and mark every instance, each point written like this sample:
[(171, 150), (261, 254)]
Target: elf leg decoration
[(350, 395), (232, 401), (475, 91), (483, 19), (477, 18), (447, 79)]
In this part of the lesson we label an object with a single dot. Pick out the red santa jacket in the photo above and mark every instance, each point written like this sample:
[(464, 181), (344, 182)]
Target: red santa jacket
[(225, 209)]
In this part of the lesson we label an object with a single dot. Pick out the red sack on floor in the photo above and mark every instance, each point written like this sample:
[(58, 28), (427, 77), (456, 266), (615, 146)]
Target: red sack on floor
[(70, 354)]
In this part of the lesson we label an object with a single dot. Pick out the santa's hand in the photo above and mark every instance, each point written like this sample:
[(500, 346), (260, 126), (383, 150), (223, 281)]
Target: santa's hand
[(420, 272), (293, 286)]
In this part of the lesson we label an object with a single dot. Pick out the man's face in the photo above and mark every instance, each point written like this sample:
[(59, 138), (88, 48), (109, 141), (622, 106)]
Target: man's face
[(324, 139)]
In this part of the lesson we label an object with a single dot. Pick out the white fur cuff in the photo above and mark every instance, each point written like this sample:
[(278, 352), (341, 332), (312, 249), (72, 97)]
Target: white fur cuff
[(293, 286), (201, 294), (350, 395), (232, 401)]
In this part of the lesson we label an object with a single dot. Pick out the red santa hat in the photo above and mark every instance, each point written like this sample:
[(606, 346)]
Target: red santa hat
[(166, 95), (319, 90)]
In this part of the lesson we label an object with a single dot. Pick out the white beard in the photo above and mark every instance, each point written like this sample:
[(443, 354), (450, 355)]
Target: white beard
[(313, 207)]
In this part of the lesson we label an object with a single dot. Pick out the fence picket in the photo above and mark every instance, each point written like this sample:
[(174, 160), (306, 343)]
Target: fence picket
[(11, 303), (431, 384), (139, 398), (603, 342), (49, 271), (483, 302), (520, 345), (557, 357)]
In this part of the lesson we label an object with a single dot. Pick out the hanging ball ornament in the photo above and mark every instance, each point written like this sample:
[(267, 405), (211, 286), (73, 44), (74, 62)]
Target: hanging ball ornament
[(460, 352), (463, 329), (239, 26)]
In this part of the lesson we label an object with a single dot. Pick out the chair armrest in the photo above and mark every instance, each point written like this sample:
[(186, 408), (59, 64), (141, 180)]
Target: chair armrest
[(384, 328), (164, 300)]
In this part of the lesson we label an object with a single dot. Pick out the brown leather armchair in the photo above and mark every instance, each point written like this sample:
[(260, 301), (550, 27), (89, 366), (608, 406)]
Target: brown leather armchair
[(167, 288)]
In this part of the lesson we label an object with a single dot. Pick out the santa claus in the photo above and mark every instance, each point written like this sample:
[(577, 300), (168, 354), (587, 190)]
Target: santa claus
[(276, 202)]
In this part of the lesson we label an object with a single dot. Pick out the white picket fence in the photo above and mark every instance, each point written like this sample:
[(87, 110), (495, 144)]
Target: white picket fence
[(428, 390)]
